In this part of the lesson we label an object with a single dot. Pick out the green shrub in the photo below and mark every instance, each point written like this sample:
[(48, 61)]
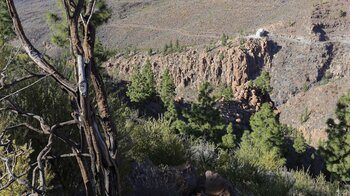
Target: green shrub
[(305, 116), (229, 140), (250, 179), (221, 56), (342, 13), (304, 184), (250, 152), (21, 166), (154, 140), (263, 82), (299, 143), (254, 180), (227, 93), (150, 51), (224, 39), (203, 154)]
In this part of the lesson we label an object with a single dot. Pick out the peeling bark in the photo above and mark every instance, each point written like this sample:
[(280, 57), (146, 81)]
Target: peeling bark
[(100, 172)]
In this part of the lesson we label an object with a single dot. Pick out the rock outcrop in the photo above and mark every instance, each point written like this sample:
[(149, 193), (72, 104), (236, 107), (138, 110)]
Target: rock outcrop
[(233, 66), (222, 66), (216, 185), (147, 179)]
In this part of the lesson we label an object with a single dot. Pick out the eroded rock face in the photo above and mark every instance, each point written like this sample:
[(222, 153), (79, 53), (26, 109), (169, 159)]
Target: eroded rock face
[(231, 66)]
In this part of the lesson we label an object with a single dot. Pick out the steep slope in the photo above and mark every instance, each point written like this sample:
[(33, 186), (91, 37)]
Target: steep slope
[(310, 73), (310, 110)]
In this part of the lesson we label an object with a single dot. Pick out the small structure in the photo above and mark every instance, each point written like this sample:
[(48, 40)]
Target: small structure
[(261, 33)]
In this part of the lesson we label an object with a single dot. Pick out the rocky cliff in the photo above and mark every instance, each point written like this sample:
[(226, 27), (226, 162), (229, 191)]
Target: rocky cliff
[(231, 66)]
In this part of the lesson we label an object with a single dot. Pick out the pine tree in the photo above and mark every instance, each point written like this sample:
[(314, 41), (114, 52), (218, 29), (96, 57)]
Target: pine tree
[(203, 118), (102, 14), (299, 143), (336, 150), (59, 27), (262, 147), (142, 85), (167, 88), (58, 22), (135, 88), (253, 153), (266, 128), (263, 82), (6, 33), (171, 113), (149, 79), (224, 39), (229, 140)]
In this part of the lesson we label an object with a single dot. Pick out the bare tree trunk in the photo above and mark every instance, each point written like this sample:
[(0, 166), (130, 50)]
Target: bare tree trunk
[(84, 174), (102, 178), (107, 123)]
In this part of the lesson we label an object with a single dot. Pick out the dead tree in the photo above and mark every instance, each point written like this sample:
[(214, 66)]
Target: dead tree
[(100, 171)]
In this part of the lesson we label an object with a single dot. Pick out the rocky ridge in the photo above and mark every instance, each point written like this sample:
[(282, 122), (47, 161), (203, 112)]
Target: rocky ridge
[(231, 66), (223, 66)]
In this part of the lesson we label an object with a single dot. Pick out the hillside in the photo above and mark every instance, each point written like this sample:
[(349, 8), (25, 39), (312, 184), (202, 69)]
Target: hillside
[(143, 23), (311, 38), (175, 97)]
